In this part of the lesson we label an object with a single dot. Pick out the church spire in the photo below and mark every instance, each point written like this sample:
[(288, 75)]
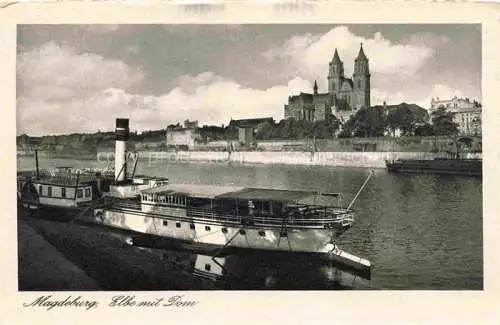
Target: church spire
[(361, 54), (336, 58), (315, 88)]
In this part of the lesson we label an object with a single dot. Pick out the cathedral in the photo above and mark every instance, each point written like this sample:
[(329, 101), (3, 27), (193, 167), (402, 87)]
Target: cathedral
[(344, 97)]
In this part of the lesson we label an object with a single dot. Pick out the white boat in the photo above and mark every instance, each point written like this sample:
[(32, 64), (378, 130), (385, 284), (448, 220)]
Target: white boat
[(223, 219)]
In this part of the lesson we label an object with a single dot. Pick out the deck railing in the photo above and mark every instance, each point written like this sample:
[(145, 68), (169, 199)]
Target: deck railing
[(316, 215)]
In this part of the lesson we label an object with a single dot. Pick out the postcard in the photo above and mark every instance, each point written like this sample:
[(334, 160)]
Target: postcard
[(242, 162)]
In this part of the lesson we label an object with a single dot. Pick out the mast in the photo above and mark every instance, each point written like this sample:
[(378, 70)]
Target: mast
[(36, 165), (76, 185), (135, 164)]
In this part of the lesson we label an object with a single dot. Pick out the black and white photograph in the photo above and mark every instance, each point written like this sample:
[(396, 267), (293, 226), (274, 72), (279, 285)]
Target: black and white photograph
[(191, 157)]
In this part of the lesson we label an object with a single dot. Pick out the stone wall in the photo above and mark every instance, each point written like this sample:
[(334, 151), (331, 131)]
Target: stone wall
[(345, 159), (385, 144)]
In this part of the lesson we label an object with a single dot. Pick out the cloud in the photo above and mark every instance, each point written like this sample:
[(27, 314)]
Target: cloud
[(100, 28), (309, 54), (215, 100), (132, 49), (378, 97), (54, 72), (440, 91), (61, 91)]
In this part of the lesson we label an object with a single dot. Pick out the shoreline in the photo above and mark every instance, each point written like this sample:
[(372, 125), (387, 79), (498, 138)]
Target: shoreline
[(333, 159)]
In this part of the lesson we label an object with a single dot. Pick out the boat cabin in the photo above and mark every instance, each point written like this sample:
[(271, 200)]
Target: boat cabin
[(61, 187), (133, 187), (223, 202), (58, 194)]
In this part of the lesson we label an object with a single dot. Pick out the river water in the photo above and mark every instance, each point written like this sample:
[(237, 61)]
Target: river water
[(419, 231)]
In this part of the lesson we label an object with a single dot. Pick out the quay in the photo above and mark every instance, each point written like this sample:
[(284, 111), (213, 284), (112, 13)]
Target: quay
[(43, 267), (367, 159)]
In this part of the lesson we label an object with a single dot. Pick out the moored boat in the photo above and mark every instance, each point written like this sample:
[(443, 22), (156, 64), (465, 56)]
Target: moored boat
[(219, 219), (463, 167)]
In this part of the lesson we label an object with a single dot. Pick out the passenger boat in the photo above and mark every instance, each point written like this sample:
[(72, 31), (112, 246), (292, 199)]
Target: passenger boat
[(221, 219)]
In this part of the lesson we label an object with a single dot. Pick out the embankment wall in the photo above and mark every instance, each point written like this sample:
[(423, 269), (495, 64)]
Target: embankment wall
[(345, 159)]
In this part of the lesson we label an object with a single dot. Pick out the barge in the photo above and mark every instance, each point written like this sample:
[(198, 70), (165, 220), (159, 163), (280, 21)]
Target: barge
[(441, 166)]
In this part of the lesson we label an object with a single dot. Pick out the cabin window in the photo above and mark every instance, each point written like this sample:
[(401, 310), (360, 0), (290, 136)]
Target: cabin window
[(178, 224), (40, 190), (207, 228), (224, 230), (49, 191), (79, 193), (208, 267), (192, 226), (165, 222), (87, 192), (242, 232), (262, 233), (63, 192)]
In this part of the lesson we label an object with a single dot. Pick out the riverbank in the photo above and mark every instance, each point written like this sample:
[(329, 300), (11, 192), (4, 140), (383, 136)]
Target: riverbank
[(43, 267), (338, 159)]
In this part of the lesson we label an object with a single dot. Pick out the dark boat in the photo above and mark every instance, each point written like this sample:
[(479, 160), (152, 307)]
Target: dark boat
[(441, 166)]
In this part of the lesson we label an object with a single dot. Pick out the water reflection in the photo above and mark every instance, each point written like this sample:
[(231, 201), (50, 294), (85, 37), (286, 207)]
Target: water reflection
[(258, 272)]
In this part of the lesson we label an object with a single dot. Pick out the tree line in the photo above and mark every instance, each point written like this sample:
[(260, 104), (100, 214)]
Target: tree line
[(377, 121)]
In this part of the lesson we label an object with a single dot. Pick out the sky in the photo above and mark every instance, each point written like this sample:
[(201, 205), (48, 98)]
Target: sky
[(79, 78)]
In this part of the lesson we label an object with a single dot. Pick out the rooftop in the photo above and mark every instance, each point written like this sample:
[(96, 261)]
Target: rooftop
[(250, 122), (233, 192)]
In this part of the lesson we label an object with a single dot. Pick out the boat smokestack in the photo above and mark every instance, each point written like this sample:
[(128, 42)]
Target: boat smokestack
[(122, 134)]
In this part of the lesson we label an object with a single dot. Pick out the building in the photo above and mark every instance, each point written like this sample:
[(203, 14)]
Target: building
[(467, 113), (245, 135), (247, 128), (344, 97), (190, 124), (182, 138)]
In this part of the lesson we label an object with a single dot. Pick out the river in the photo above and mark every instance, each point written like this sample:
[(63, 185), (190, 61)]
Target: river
[(419, 231)]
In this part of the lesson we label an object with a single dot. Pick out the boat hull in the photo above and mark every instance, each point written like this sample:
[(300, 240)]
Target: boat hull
[(33, 209), (218, 239)]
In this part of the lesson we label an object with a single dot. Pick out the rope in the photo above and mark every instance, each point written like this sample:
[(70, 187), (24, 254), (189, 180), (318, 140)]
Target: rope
[(360, 190)]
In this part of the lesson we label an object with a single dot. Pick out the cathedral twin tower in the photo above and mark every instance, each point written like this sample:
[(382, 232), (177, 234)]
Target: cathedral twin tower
[(345, 95)]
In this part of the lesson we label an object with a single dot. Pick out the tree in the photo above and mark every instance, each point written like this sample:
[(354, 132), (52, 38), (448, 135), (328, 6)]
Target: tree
[(424, 130), (367, 122), (442, 122), (405, 117)]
